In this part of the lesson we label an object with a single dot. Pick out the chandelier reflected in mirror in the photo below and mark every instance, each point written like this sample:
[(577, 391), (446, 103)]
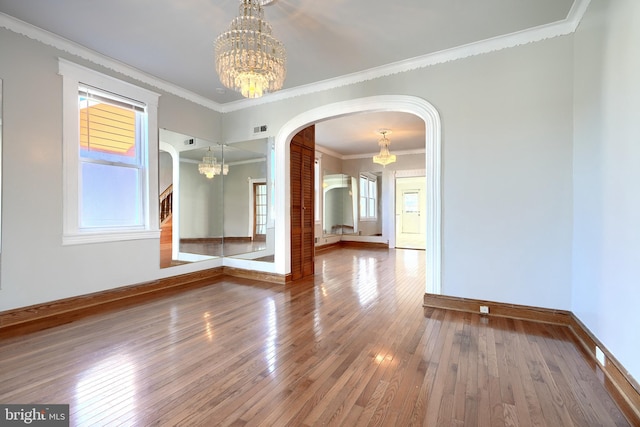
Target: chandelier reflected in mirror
[(385, 157), (249, 59), (210, 166)]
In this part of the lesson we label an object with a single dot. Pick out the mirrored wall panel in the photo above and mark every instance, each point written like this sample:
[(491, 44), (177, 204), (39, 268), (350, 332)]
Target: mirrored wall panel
[(215, 200), (339, 192), (200, 203), (352, 205), (248, 232)]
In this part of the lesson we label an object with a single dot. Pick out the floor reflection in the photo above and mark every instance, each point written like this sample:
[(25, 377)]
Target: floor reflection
[(108, 387), (365, 279), (228, 248), (270, 354)]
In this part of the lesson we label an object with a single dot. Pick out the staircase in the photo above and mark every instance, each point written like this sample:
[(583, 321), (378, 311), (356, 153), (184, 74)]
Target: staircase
[(166, 226)]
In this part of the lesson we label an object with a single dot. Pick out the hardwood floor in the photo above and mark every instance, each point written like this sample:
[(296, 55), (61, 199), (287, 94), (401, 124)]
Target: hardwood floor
[(350, 346)]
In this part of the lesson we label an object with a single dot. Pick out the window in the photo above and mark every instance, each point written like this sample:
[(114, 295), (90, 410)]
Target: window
[(107, 128), (368, 197)]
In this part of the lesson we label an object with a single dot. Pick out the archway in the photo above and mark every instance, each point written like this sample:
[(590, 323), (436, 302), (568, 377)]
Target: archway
[(401, 103)]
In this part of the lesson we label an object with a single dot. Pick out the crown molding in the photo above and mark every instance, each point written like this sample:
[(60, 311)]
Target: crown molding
[(543, 32), (329, 152), (519, 38), (324, 150), (65, 45), (397, 153)]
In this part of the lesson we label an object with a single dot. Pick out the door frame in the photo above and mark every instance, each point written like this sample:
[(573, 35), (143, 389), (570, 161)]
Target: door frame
[(252, 200), (401, 175), (433, 153)]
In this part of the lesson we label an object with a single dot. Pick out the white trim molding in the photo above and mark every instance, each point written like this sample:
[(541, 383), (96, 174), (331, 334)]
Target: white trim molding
[(65, 45), (531, 35), (401, 103), (72, 75), (543, 32)]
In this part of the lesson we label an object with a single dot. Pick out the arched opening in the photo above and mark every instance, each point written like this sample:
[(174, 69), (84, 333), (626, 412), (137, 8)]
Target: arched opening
[(401, 103)]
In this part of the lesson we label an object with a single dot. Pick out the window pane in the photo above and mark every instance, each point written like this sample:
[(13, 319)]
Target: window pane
[(108, 132), (363, 187), (110, 196), (372, 208)]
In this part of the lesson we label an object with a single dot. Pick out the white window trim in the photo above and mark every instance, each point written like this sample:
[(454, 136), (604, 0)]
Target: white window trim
[(72, 76)]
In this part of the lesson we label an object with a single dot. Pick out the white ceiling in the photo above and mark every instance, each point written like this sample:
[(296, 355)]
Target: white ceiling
[(173, 40)]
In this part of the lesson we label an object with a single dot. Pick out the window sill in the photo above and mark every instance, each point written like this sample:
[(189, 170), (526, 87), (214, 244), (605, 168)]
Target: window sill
[(86, 238)]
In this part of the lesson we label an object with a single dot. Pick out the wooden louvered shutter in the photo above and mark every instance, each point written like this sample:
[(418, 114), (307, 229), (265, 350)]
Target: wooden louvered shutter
[(302, 203)]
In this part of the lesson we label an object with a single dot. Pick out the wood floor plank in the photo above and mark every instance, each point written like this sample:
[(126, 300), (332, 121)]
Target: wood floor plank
[(349, 346)]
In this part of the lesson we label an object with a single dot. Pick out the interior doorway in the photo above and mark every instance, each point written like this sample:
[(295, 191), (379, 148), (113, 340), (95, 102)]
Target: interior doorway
[(433, 171), (411, 206)]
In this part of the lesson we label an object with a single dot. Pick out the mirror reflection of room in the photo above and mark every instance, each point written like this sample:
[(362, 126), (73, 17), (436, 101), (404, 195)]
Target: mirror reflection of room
[(340, 210), (214, 200), (200, 203), (352, 206), (246, 210)]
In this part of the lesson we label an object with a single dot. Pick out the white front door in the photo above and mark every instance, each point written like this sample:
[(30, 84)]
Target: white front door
[(410, 208)]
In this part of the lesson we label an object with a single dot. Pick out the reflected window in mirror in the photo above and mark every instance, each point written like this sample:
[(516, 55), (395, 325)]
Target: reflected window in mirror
[(368, 197)]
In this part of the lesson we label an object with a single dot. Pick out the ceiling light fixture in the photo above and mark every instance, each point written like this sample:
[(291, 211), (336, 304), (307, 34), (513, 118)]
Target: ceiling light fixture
[(249, 59), (384, 158), (210, 166)]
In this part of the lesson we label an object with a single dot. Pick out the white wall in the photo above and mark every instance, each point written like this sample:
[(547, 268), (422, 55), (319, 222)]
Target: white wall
[(507, 158), (606, 244), (35, 266)]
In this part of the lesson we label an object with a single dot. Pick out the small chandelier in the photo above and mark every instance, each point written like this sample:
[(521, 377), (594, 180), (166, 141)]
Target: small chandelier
[(248, 59), (384, 158), (210, 166)]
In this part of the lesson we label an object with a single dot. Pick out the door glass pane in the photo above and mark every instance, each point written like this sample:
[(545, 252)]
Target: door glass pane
[(411, 202)]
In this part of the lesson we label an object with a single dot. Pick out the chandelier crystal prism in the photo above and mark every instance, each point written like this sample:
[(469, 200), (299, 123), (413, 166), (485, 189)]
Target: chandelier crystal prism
[(385, 157), (210, 166), (249, 59)]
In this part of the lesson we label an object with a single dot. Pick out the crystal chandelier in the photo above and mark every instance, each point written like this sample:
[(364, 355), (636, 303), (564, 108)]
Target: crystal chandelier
[(210, 166), (248, 59), (384, 158)]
